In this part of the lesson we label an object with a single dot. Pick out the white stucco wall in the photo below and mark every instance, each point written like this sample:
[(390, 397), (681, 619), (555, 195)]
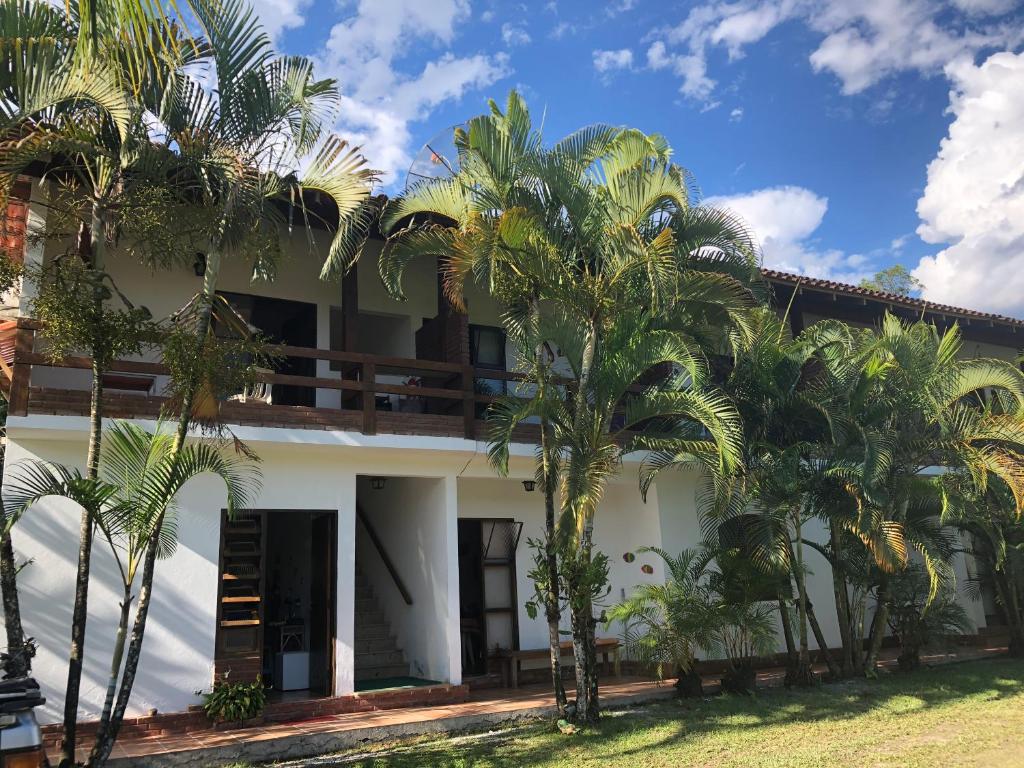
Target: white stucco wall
[(623, 524), (415, 523)]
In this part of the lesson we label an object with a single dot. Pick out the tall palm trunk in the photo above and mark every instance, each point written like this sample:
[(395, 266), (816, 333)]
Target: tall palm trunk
[(552, 607), (819, 638), (106, 738), (117, 657), (1009, 596), (19, 656), (79, 614), (787, 632), (878, 625), (842, 598), (552, 602), (584, 628), (804, 674), (588, 709)]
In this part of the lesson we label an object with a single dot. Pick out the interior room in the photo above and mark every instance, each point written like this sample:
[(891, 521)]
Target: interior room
[(298, 638)]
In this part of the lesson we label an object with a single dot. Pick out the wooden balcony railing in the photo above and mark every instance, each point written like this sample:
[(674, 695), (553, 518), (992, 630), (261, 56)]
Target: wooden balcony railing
[(447, 392)]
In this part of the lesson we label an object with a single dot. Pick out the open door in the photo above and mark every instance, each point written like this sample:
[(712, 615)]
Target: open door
[(322, 604)]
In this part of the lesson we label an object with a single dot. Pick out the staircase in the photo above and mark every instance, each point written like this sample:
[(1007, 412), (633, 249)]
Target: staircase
[(377, 655)]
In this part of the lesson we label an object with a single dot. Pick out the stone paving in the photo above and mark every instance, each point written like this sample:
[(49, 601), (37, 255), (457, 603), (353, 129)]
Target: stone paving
[(485, 709)]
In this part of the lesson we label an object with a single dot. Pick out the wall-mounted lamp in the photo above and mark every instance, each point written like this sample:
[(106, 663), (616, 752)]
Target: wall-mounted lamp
[(529, 485), (377, 483), (199, 265)]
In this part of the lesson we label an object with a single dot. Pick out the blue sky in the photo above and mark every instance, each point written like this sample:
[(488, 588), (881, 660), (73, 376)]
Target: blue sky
[(849, 134)]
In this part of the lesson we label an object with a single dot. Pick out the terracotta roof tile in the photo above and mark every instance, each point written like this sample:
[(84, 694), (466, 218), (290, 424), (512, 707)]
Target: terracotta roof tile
[(889, 298)]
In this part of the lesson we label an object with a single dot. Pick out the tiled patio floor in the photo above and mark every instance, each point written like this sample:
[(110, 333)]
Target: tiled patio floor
[(337, 732)]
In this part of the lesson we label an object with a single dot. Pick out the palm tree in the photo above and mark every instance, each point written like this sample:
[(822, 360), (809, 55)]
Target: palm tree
[(597, 225), (75, 84), (911, 404), (784, 390), (138, 483), (995, 533), (664, 625), (620, 418)]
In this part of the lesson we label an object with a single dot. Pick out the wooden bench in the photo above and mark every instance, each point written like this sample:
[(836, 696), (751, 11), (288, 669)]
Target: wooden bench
[(607, 649)]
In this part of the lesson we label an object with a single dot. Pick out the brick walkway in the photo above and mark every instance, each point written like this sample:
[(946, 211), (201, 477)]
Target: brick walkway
[(486, 708)]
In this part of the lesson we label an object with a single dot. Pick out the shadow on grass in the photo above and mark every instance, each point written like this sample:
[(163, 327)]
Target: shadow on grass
[(651, 729)]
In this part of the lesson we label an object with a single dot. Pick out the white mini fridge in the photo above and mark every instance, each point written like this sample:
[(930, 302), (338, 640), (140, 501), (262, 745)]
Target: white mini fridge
[(291, 671)]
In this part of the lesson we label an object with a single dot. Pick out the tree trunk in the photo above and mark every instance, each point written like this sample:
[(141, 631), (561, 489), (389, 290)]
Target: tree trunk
[(842, 598), (19, 655), (80, 610), (101, 751), (878, 627), (583, 625), (552, 606), (115, 666), (792, 657), (804, 674), (819, 638), (1006, 594)]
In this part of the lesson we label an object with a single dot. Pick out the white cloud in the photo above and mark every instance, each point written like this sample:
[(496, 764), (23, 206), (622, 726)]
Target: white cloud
[(606, 61), (487, 16), (691, 68), (974, 198), (620, 6), (366, 54), (561, 29), (736, 115), (784, 220), (861, 42), (514, 34), (279, 15)]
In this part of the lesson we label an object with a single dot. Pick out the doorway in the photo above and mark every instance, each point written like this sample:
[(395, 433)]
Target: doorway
[(277, 602), (488, 610), (282, 321)]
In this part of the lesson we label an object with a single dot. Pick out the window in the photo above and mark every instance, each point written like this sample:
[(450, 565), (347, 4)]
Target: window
[(487, 347)]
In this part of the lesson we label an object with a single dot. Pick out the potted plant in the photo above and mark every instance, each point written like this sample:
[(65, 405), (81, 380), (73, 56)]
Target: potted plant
[(235, 705)]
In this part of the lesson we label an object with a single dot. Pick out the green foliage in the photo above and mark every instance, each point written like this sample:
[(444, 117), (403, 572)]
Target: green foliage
[(139, 480), (233, 702), (917, 619), (708, 603), (895, 279), (75, 324), (10, 271)]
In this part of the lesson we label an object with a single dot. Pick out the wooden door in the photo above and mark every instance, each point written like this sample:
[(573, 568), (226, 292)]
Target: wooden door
[(240, 596), (323, 602)]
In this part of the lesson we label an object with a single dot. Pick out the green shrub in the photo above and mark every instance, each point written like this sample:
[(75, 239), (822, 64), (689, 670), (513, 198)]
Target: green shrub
[(234, 702)]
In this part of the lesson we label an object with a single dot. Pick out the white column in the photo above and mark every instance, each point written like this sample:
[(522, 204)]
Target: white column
[(344, 636), (454, 624)]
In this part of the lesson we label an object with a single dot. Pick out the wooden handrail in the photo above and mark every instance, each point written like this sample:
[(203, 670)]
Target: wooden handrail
[(360, 377), (379, 546)]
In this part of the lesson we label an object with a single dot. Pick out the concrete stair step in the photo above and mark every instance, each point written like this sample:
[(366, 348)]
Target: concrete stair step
[(378, 658), (371, 630), (376, 673), (375, 644)]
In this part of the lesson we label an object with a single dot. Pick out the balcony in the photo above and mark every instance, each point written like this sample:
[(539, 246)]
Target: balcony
[(370, 394)]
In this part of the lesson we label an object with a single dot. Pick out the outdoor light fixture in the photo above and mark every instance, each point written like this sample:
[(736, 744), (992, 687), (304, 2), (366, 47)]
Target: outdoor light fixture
[(529, 485), (199, 265), (377, 483)]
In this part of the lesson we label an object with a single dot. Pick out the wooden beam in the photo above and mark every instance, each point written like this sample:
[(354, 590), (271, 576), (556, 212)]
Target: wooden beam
[(21, 372)]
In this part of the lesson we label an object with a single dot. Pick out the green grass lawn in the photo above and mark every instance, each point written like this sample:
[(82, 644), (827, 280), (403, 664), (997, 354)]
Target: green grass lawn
[(969, 714)]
